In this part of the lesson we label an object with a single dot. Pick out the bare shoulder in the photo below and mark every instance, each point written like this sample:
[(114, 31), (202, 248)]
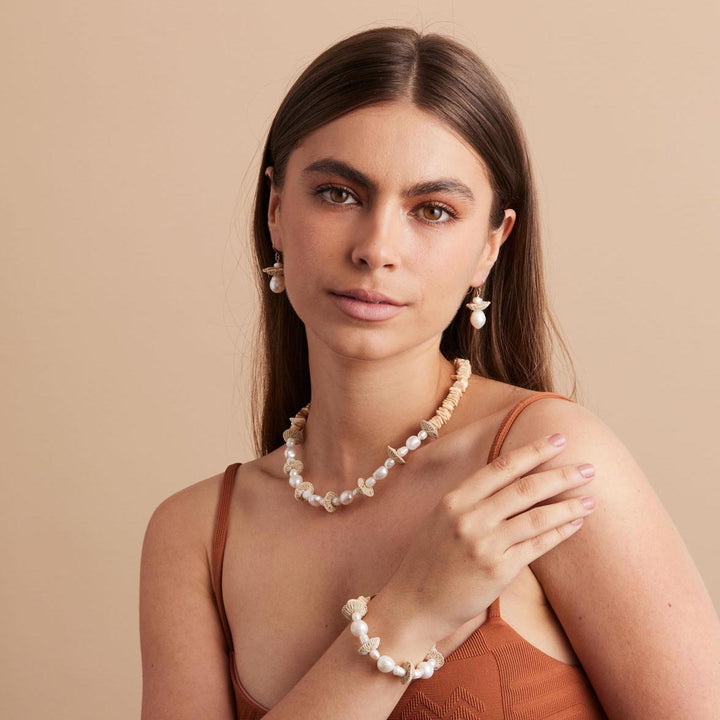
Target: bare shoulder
[(186, 516), (624, 587), (184, 657)]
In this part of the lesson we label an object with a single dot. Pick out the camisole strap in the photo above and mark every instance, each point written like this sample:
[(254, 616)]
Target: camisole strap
[(503, 430), (218, 547)]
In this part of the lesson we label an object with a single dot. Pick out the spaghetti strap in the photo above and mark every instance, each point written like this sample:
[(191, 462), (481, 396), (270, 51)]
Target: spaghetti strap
[(512, 416), (503, 430), (218, 547)]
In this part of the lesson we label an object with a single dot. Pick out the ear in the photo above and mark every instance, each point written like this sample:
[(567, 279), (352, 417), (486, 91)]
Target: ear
[(492, 248), (273, 217)]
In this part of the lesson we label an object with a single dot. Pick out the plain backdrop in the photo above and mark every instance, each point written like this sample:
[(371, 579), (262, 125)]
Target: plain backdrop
[(130, 132)]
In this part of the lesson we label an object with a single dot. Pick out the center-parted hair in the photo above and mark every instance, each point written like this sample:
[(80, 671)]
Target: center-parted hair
[(448, 80)]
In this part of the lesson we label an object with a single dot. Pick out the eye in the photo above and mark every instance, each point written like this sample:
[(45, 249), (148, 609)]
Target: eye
[(336, 194), (433, 213)]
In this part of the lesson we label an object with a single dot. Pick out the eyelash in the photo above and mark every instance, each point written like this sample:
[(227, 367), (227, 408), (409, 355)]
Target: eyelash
[(451, 213)]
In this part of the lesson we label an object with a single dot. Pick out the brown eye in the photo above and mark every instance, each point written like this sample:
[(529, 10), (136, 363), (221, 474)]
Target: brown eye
[(338, 195), (432, 212)]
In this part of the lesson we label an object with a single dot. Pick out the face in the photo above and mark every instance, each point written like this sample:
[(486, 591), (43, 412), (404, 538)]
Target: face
[(383, 224)]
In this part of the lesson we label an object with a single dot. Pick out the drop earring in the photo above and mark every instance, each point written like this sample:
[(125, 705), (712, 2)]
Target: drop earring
[(277, 275), (477, 316)]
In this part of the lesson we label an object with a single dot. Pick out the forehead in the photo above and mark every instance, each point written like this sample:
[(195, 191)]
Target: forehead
[(394, 142)]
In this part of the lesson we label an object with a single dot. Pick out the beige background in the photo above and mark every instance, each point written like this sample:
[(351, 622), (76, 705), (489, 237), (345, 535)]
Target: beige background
[(130, 134)]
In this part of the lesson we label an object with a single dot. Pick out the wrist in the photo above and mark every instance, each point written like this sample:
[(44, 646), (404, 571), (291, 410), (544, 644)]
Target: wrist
[(391, 638)]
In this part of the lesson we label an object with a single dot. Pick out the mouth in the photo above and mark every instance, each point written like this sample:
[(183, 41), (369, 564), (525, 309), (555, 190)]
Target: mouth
[(367, 296), (366, 305)]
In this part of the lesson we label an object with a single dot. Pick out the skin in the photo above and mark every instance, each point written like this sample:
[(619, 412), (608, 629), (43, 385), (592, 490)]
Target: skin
[(447, 533)]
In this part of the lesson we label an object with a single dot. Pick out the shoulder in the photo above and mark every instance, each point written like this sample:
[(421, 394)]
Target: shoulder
[(188, 513), (624, 587)]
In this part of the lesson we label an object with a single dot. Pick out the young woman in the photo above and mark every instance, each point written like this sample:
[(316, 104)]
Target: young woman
[(503, 555)]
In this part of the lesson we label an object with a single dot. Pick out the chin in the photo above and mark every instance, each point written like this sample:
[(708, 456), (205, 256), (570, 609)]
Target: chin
[(369, 344)]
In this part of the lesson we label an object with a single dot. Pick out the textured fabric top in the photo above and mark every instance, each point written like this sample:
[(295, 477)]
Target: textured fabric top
[(494, 675)]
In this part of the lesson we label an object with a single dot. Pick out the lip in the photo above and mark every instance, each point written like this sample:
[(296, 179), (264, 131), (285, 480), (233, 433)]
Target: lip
[(366, 305)]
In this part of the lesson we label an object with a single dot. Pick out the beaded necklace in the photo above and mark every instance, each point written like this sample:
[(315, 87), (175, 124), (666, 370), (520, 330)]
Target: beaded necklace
[(331, 501)]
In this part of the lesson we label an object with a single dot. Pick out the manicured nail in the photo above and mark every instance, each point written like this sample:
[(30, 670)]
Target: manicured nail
[(557, 439), (588, 503), (586, 470)]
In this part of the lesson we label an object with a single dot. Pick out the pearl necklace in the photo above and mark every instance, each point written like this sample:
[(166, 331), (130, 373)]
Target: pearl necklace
[(293, 437)]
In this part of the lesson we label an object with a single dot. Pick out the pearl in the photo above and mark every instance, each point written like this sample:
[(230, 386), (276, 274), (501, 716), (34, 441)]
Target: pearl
[(290, 442), (389, 463), (294, 473), (374, 654), (370, 481), (290, 452), (356, 492), (477, 319), (413, 442), (432, 661), (363, 638), (306, 495), (336, 501), (385, 664), (422, 435), (277, 283), (424, 670), (402, 451), (399, 671), (358, 627), (346, 497), (381, 473), (295, 481), (315, 500), (356, 616)]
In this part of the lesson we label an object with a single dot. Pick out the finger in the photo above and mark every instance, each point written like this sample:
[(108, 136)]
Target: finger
[(540, 525), (529, 490), (505, 468)]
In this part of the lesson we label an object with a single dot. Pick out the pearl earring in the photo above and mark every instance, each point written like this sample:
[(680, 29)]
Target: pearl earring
[(477, 317), (277, 275)]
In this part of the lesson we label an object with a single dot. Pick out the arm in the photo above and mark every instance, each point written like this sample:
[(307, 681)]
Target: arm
[(183, 649), (625, 588), (185, 666)]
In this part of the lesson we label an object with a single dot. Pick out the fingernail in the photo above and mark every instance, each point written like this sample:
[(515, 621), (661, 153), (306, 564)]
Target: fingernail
[(557, 439), (588, 503), (586, 470), (579, 521)]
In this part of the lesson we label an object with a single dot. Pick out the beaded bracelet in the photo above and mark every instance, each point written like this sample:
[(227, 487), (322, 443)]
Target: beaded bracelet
[(354, 610)]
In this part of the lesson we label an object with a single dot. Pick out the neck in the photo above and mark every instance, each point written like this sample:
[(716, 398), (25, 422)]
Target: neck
[(358, 407)]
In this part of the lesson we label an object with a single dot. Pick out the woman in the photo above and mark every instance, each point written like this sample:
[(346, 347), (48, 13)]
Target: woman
[(518, 565)]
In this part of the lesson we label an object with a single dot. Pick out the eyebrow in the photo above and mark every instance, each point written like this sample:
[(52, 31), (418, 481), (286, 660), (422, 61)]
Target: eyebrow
[(337, 167)]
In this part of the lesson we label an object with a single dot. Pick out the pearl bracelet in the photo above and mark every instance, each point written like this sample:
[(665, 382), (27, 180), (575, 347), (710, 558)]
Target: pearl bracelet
[(354, 610)]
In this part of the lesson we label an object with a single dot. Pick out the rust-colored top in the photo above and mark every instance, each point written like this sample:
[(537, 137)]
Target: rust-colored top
[(494, 675)]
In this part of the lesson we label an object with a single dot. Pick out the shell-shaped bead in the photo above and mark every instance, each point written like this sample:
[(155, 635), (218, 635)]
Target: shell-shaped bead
[(429, 428), (327, 502), (293, 464), (354, 605), (364, 488), (302, 488), (367, 647)]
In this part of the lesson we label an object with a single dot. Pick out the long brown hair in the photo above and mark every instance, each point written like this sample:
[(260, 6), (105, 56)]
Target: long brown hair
[(444, 78)]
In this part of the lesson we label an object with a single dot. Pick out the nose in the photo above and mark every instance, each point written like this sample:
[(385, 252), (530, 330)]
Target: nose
[(378, 238)]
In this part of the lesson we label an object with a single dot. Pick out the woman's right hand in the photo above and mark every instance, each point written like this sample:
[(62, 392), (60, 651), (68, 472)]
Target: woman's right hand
[(485, 531)]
